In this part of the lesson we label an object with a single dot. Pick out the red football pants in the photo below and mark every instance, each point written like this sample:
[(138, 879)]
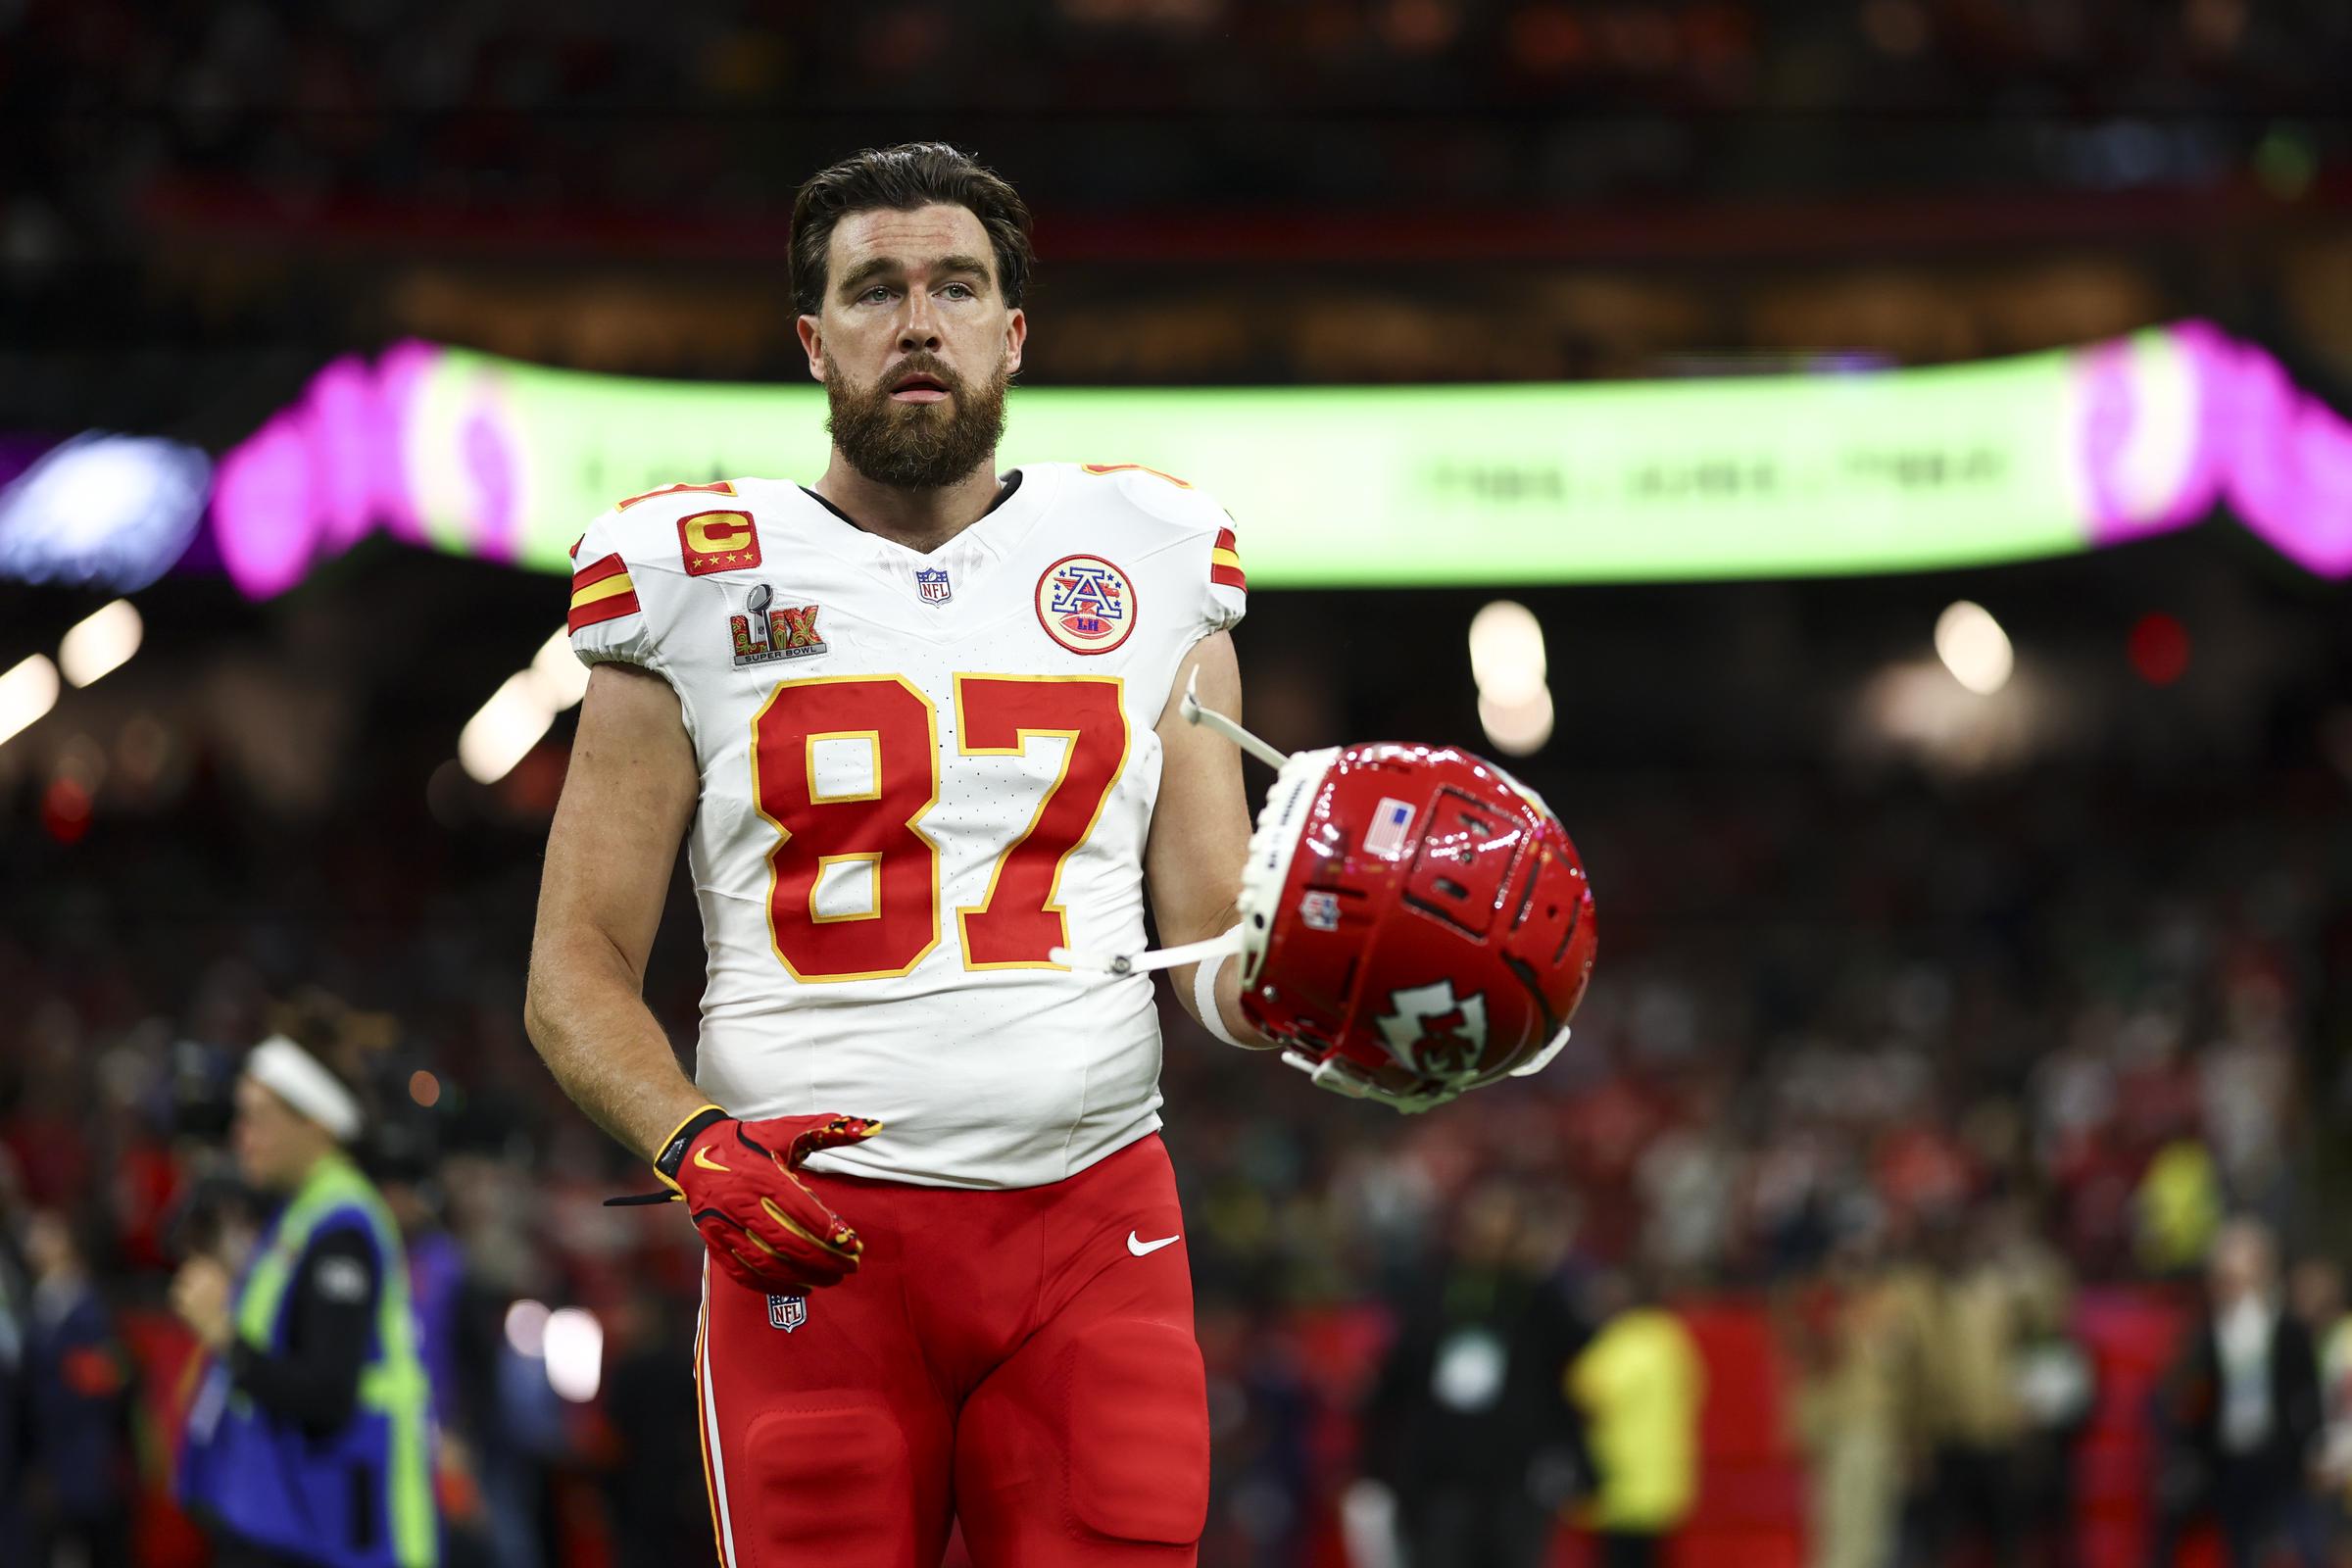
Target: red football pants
[(1022, 1362)]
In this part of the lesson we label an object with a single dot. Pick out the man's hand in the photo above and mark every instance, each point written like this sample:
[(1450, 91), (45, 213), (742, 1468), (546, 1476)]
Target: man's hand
[(759, 1221), (200, 1295)]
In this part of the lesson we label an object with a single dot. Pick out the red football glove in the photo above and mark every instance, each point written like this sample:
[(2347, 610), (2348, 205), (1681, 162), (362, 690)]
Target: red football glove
[(761, 1222)]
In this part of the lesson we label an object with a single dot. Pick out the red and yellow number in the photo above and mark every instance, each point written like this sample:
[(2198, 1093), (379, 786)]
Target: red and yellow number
[(1019, 921), (876, 826)]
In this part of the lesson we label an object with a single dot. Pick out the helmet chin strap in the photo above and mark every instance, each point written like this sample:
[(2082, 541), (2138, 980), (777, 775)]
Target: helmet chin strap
[(1125, 964), (1195, 714), (1233, 937)]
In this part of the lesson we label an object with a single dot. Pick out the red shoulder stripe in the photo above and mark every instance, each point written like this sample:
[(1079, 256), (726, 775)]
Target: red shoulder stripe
[(597, 572), (1229, 577), (603, 610)]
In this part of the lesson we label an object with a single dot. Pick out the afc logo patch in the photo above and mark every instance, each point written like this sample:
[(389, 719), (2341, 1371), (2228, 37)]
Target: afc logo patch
[(786, 1312), (1086, 604), (717, 541)]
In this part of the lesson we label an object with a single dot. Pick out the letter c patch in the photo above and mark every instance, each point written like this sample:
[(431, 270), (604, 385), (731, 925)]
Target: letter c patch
[(717, 541)]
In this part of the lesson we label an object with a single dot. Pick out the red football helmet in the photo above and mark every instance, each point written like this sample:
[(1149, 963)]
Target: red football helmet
[(1415, 922)]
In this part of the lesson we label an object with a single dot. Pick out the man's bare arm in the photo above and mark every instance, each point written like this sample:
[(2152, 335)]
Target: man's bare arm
[(1200, 828), (628, 798)]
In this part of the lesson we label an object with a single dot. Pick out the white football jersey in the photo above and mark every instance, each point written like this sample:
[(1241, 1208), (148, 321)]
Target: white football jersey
[(921, 773)]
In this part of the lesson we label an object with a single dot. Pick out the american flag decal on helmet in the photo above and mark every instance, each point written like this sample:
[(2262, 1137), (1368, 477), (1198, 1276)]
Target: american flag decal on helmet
[(1389, 823)]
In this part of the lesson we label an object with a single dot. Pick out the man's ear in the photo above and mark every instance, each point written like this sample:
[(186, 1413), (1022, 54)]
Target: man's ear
[(1016, 333), (812, 343)]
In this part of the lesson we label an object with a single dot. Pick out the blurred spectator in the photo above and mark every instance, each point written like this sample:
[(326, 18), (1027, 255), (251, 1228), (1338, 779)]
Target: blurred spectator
[(2178, 1208), (16, 1427), (2241, 1409), (2000, 1297), (80, 1407), (437, 1290), (1856, 1345), (2315, 1294), (657, 1478), (1639, 1386), (309, 1443), (1468, 1427)]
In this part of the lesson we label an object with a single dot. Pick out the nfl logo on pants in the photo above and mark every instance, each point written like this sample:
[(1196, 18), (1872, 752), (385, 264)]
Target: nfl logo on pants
[(786, 1312)]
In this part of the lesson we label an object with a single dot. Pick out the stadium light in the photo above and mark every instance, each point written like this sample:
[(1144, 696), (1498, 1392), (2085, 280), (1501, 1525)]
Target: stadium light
[(1974, 648), (504, 732), (561, 678), (575, 1354), (26, 692), (1506, 659), (1517, 729), (1506, 653), (100, 643), (527, 1327)]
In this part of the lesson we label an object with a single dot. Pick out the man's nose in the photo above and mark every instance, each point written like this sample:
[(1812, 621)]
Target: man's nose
[(919, 328)]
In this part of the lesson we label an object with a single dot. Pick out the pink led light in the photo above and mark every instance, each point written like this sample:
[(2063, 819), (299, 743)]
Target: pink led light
[(2280, 457), (264, 516)]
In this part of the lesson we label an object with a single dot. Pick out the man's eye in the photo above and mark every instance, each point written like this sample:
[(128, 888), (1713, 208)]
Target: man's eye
[(957, 291), (876, 293)]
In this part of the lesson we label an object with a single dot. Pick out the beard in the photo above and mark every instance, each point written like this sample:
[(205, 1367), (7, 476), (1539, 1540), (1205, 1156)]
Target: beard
[(916, 446)]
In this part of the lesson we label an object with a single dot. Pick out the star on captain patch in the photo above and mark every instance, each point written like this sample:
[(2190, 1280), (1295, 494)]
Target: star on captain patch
[(717, 541)]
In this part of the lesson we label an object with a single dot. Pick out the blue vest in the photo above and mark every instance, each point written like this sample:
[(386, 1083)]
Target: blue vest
[(360, 1497)]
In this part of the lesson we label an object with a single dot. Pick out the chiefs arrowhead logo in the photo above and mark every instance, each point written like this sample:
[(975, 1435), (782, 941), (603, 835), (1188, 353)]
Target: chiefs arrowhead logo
[(1430, 1030)]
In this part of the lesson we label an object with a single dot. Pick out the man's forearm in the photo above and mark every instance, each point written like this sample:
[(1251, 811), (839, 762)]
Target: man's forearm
[(592, 1028)]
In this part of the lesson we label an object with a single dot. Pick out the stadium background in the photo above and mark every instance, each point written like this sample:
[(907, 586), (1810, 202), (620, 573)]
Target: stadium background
[(1901, 990)]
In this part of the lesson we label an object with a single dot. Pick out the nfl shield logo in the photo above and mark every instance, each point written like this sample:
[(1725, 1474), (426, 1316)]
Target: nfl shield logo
[(786, 1312), (931, 582)]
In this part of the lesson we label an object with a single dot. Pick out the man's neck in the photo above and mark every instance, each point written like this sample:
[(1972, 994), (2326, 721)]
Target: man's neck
[(919, 520), (311, 1167)]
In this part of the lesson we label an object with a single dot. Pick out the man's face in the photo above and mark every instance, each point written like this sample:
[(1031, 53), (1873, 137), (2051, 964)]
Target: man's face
[(914, 344), (2239, 1267), (274, 1144)]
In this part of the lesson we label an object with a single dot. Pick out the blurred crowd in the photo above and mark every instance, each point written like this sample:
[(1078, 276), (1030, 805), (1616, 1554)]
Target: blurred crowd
[(1908, 1076), (498, 108)]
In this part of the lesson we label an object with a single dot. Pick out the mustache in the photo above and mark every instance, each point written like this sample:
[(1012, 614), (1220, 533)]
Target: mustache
[(925, 365)]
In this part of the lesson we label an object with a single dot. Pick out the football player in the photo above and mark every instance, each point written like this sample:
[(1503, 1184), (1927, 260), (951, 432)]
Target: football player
[(931, 734), (917, 726)]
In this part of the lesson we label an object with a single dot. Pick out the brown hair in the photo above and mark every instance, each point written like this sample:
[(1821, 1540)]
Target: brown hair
[(902, 178)]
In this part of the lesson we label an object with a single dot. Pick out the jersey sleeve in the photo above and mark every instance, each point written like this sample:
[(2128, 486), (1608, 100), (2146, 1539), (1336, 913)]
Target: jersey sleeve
[(608, 619), (1228, 584), (1206, 553)]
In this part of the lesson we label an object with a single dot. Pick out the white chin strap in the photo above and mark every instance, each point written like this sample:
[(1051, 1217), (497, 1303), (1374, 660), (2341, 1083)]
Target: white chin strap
[(1271, 845), (1272, 842)]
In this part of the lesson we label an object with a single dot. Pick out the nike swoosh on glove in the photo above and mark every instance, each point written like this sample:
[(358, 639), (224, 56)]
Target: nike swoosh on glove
[(759, 1221)]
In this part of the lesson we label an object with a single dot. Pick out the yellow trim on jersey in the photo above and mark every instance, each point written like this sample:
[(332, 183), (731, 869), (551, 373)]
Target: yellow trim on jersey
[(1021, 737), (605, 588), (873, 883), (873, 740), (784, 834), (1224, 558)]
